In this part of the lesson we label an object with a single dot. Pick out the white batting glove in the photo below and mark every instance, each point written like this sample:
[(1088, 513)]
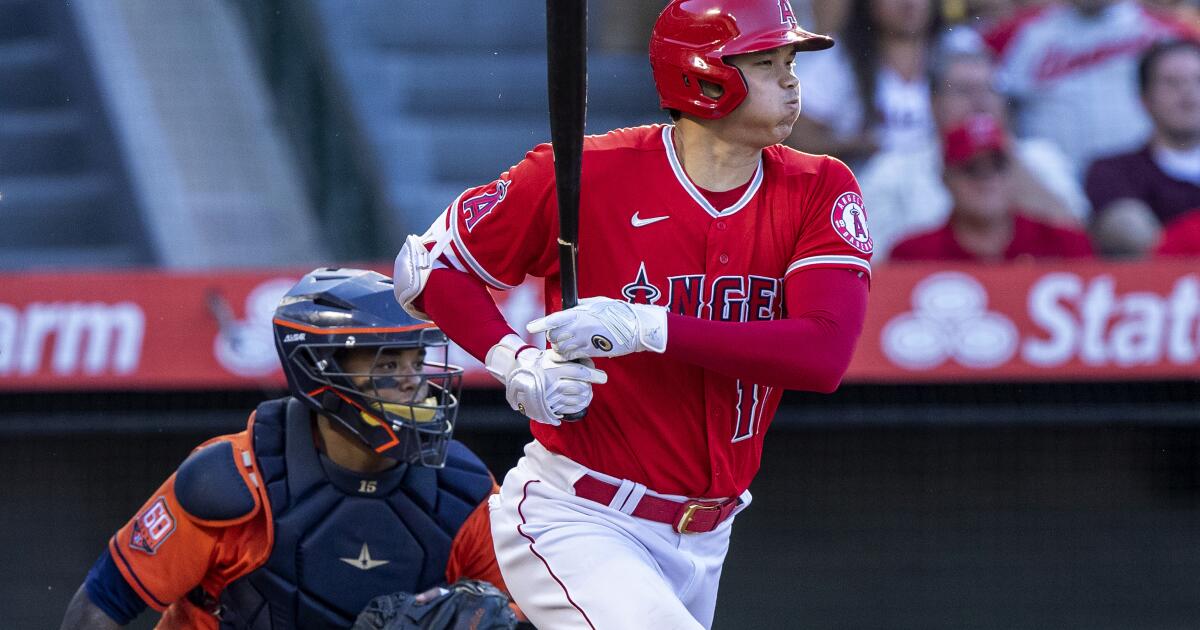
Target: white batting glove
[(604, 327), (540, 383)]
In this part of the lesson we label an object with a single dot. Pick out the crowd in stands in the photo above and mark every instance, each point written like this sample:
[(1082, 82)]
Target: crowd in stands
[(1005, 129)]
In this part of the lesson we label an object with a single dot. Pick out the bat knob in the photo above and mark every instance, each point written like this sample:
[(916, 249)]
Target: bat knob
[(575, 417)]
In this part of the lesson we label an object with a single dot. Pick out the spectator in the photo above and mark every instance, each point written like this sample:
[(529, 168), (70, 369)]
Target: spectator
[(1071, 67), (1182, 236), (1136, 193), (872, 90), (904, 188), (986, 224)]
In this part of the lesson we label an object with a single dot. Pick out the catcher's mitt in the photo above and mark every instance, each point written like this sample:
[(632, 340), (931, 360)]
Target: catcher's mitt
[(464, 605)]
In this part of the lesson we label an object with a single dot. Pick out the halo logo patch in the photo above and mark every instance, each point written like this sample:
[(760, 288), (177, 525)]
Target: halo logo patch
[(850, 222)]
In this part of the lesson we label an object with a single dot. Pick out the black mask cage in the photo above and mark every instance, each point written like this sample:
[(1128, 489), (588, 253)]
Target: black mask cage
[(406, 412)]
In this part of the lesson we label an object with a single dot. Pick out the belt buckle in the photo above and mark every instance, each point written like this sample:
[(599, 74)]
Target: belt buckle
[(689, 513)]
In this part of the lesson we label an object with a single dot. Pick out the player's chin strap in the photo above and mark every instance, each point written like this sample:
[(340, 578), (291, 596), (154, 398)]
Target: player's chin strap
[(413, 265)]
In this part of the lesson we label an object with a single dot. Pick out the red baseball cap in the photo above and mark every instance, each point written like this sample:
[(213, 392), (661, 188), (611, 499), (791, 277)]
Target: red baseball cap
[(975, 136)]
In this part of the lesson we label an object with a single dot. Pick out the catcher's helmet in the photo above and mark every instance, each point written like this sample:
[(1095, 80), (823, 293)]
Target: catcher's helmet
[(691, 38), (331, 313)]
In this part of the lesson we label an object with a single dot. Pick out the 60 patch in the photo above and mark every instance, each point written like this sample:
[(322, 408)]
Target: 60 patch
[(153, 526)]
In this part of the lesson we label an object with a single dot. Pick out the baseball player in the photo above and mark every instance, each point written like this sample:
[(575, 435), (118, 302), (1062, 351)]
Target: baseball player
[(722, 267), (350, 488)]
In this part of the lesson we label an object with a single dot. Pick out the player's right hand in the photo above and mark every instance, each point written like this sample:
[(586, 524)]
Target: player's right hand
[(541, 384)]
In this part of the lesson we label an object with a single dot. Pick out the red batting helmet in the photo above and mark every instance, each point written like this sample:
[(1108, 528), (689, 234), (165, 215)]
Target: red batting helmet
[(691, 38)]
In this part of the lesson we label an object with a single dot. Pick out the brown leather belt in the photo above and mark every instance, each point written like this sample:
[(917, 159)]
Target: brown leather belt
[(687, 517)]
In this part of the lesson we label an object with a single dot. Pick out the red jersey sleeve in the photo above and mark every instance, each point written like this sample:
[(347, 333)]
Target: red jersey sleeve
[(833, 232), (504, 230), (472, 555)]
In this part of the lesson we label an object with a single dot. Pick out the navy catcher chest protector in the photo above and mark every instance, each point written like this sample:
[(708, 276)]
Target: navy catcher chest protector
[(342, 539)]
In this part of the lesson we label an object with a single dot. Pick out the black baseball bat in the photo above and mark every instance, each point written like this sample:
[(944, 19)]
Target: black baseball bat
[(566, 48)]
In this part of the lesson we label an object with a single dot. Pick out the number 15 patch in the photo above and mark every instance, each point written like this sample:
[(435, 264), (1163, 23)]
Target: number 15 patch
[(153, 526)]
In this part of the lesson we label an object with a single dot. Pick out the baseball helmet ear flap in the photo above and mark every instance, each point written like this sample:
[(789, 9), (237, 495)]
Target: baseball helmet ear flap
[(692, 38)]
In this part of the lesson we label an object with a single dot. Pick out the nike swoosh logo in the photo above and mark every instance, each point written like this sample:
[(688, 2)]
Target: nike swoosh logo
[(639, 222)]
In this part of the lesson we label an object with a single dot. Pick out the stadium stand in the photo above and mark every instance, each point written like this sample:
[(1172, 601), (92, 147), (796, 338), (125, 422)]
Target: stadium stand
[(66, 202), (453, 99)]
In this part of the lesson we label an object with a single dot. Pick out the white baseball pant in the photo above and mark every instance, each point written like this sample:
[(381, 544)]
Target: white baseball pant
[(573, 563)]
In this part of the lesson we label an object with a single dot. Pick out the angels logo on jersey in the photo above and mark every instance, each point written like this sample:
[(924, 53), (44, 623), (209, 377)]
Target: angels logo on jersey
[(850, 221), (640, 291), (723, 298), (481, 205)]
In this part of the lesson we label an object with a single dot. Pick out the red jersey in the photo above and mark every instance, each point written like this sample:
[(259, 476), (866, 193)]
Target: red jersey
[(1030, 238), (1182, 236), (648, 235)]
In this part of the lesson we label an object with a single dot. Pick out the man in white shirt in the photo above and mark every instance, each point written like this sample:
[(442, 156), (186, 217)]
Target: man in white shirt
[(1071, 69), (904, 187)]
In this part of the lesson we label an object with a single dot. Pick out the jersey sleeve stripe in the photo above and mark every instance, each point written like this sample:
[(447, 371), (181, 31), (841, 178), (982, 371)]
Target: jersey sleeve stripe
[(829, 261), (436, 236), (115, 547), (465, 254), (452, 259)]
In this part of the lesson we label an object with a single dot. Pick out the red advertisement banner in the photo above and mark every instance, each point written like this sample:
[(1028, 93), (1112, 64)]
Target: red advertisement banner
[(926, 323), (1076, 321)]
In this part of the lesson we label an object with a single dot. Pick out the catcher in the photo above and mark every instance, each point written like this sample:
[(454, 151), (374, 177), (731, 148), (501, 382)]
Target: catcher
[(348, 490)]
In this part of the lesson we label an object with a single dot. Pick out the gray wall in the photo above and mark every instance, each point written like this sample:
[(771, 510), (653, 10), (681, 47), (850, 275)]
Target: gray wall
[(865, 526)]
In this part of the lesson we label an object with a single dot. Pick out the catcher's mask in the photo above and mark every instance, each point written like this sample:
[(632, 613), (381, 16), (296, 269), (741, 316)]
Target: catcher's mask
[(355, 356)]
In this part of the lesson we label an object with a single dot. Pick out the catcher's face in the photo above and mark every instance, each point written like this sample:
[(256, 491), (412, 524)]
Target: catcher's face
[(393, 375)]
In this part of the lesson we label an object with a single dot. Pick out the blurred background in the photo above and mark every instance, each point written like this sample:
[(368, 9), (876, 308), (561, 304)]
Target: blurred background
[(1015, 446)]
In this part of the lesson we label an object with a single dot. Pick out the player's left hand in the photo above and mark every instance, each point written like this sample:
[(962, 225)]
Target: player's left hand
[(604, 327)]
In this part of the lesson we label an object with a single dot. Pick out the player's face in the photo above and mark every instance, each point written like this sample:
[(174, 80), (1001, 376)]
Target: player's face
[(393, 374), (981, 188), (773, 102), (1173, 94)]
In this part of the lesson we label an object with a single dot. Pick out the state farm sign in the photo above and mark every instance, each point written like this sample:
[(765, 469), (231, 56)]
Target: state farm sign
[(1088, 320), (71, 338), (139, 330), (925, 323), (1032, 322)]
